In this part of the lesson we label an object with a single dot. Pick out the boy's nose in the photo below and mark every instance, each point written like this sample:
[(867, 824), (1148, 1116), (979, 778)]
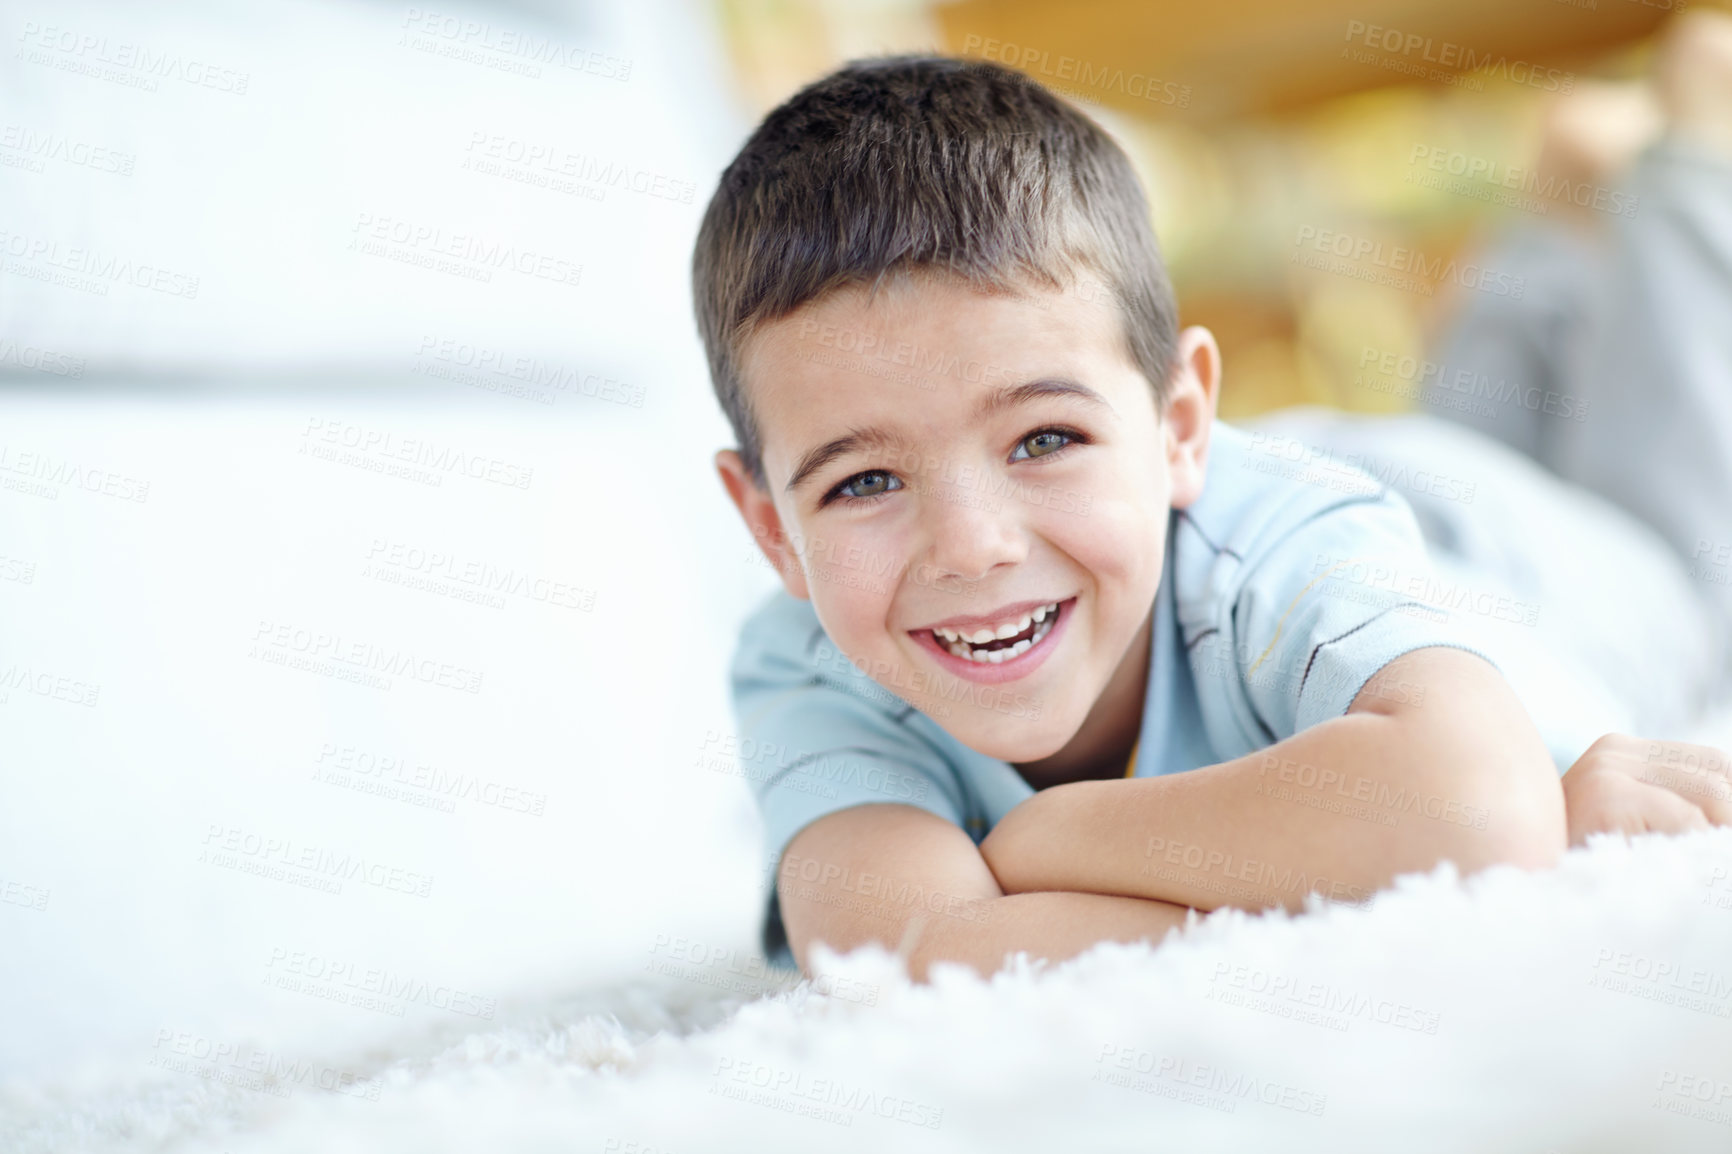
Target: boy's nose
[(971, 532)]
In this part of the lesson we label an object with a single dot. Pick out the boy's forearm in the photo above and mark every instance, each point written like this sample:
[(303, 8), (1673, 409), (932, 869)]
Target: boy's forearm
[(1340, 809), (913, 881), (1054, 926)]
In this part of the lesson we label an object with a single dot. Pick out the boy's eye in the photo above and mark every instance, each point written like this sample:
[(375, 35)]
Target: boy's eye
[(864, 485), (1042, 443)]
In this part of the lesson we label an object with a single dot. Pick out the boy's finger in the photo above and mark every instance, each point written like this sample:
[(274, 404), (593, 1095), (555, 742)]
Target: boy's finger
[(1713, 798), (1710, 792), (1625, 805), (1686, 758), (1667, 812)]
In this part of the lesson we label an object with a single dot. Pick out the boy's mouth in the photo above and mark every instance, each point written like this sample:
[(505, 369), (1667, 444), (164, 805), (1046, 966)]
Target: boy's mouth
[(1018, 651), (985, 645)]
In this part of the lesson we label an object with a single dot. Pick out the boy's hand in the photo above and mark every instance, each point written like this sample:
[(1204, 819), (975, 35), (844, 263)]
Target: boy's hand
[(1631, 785)]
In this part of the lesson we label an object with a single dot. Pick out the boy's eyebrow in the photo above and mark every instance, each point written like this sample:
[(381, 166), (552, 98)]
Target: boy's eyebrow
[(994, 402)]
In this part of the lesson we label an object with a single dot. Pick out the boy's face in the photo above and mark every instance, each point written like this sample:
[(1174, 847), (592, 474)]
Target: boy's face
[(1021, 463)]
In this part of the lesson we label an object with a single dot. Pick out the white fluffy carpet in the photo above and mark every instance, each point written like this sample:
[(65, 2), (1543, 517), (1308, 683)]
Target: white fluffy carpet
[(1583, 1009)]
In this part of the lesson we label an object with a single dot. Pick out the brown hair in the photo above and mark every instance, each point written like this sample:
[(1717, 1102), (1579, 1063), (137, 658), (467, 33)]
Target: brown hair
[(921, 164)]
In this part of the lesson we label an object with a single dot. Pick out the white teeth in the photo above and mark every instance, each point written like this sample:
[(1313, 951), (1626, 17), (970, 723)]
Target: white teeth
[(961, 645), (1000, 632)]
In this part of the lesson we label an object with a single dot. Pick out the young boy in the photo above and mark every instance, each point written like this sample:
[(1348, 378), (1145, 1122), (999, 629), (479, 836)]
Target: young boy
[(1057, 659)]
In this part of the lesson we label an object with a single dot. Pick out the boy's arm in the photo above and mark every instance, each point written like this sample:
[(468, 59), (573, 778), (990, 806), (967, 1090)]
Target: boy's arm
[(906, 878), (1458, 772)]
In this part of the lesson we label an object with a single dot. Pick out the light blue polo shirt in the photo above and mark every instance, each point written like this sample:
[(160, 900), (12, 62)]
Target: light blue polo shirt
[(1285, 587)]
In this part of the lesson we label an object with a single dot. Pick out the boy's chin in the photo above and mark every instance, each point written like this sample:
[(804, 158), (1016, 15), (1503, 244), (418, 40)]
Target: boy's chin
[(1008, 736)]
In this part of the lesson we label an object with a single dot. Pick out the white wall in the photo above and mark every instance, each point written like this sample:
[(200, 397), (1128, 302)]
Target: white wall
[(168, 526)]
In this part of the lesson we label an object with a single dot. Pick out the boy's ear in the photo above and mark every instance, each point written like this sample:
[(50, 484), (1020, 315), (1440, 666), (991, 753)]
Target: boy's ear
[(760, 516), (1190, 416)]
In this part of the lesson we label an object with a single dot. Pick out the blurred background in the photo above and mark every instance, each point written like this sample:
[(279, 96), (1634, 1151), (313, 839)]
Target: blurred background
[(366, 588), (1409, 125)]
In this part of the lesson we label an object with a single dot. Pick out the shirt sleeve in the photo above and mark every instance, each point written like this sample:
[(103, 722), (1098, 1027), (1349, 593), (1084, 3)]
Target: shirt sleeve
[(1323, 605), (813, 740)]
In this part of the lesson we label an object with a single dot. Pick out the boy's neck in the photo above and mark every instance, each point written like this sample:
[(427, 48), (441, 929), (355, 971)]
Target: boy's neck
[(1102, 747)]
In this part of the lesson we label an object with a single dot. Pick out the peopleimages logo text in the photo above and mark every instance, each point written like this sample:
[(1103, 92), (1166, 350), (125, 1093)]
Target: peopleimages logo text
[(1450, 55), (1400, 259)]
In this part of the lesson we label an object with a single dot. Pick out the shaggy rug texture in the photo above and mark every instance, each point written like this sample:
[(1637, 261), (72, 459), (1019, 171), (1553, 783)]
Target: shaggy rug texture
[(1587, 1008)]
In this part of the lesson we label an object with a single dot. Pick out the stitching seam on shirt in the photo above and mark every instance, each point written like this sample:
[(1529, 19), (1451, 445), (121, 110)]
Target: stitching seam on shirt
[(1186, 517), (1297, 597), (1319, 646)]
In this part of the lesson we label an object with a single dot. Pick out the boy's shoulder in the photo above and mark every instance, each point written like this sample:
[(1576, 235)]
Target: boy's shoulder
[(779, 629), (1259, 486), (782, 643), (778, 643), (1298, 575)]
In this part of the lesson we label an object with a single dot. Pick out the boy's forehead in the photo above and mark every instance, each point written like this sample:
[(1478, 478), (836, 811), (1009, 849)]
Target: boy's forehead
[(926, 321), (898, 302), (919, 349)]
